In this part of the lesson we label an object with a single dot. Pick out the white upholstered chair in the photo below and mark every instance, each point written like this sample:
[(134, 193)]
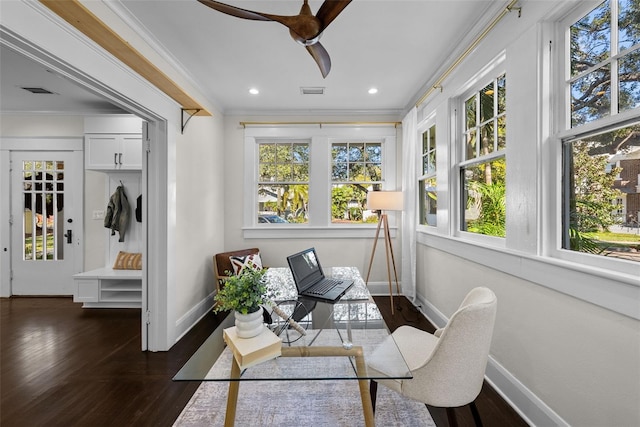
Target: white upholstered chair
[(448, 366)]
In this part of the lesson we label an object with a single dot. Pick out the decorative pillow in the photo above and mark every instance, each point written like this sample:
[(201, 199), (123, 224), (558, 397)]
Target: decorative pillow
[(128, 261), (239, 263)]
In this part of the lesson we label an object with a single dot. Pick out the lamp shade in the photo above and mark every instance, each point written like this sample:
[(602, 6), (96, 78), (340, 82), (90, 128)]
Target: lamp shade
[(384, 200)]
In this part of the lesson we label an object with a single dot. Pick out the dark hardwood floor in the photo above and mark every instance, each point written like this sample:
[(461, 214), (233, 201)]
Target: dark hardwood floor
[(61, 365)]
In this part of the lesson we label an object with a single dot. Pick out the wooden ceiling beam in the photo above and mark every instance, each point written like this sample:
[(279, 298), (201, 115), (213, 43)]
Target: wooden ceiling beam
[(76, 14)]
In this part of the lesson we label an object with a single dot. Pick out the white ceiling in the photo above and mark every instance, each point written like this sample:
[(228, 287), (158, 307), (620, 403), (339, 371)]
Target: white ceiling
[(398, 46), (18, 72)]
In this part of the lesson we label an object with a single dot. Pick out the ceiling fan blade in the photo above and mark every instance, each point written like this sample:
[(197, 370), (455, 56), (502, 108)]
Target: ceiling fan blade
[(287, 21), (236, 11), (329, 10), (321, 57)]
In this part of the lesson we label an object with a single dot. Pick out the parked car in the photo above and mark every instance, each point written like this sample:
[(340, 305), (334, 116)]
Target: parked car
[(263, 219)]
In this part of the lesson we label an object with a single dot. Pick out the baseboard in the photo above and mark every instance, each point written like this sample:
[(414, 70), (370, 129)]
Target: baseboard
[(382, 288), (193, 316), (529, 406)]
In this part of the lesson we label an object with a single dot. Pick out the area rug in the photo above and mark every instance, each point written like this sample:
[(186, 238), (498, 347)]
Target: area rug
[(277, 403)]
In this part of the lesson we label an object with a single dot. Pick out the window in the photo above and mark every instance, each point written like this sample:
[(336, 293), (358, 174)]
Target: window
[(283, 182), (601, 197), (427, 185), (604, 77), (356, 169), (303, 180), (483, 167), (602, 201)]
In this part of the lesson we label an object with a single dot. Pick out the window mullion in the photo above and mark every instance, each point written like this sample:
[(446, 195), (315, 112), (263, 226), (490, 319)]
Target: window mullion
[(614, 58), (320, 182)]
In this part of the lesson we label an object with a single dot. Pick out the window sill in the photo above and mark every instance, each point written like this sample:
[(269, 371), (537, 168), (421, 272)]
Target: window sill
[(314, 232), (606, 288)]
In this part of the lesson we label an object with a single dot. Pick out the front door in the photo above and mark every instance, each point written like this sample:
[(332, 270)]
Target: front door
[(46, 226)]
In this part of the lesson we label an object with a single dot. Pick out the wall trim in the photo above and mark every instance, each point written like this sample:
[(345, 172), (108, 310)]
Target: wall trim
[(529, 406), (193, 316), (612, 290)]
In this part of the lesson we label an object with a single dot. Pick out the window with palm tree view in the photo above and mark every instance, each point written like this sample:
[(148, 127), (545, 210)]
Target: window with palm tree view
[(601, 203), (283, 182), (483, 168), (427, 187)]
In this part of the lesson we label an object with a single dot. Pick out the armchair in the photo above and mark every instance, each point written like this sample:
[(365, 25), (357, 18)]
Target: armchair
[(222, 263)]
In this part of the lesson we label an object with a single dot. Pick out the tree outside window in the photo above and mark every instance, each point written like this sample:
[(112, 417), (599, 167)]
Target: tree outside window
[(356, 169), (601, 197), (427, 186), (483, 169), (603, 194), (604, 58), (283, 186)]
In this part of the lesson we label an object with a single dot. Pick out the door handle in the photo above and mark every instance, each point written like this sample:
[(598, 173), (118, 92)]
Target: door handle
[(120, 158), (68, 236), (115, 159)]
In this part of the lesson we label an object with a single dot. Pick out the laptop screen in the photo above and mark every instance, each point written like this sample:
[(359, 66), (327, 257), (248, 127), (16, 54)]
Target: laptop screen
[(305, 268)]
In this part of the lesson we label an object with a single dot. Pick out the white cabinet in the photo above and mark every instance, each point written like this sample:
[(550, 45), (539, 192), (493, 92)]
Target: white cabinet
[(108, 288), (113, 151)]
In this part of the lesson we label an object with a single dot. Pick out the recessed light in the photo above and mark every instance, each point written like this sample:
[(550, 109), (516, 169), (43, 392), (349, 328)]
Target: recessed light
[(254, 91), (373, 91)]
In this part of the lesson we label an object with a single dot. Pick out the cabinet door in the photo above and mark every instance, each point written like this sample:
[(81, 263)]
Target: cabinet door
[(113, 152), (131, 150), (87, 290), (101, 152)]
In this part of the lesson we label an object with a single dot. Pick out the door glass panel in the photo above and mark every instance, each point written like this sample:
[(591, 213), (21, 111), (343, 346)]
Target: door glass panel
[(43, 219)]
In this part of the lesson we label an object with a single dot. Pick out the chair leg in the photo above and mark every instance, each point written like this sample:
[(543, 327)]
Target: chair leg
[(476, 414), (373, 392), (451, 417)]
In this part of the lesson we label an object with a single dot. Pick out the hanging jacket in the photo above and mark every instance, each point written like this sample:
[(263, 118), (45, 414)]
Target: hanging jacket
[(118, 212)]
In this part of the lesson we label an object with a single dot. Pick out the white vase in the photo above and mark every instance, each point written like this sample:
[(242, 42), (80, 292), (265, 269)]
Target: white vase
[(249, 325)]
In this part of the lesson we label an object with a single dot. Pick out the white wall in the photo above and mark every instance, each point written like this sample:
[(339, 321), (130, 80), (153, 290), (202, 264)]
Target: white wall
[(581, 360), (352, 251), (561, 357), (200, 218)]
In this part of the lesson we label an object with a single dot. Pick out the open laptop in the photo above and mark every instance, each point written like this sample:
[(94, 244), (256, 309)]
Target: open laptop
[(310, 279)]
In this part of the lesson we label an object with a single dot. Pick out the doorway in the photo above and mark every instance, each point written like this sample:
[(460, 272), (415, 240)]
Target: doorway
[(46, 226), (148, 105)]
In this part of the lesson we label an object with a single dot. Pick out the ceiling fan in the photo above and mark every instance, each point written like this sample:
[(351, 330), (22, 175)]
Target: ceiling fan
[(305, 28)]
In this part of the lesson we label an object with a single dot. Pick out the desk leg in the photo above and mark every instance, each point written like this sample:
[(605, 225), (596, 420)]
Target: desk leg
[(322, 351), (367, 406), (232, 399)]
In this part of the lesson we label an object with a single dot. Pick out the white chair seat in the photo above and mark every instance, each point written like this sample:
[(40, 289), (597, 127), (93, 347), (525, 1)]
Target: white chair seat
[(415, 346)]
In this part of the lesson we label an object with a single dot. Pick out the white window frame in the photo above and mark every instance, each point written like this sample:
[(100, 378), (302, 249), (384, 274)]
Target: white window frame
[(321, 137), (489, 73), (563, 132), (426, 126)]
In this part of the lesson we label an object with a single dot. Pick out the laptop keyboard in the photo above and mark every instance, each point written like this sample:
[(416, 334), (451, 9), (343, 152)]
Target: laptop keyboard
[(325, 287)]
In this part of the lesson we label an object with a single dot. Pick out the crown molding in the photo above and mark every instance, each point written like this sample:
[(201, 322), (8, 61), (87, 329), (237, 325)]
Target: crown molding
[(78, 16)]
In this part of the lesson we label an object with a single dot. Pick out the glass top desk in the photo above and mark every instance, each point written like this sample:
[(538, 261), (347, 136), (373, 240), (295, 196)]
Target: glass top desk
[(336, 342)]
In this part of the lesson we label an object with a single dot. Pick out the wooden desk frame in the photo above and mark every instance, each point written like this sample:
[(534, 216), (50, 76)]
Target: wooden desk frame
[(320, 351)]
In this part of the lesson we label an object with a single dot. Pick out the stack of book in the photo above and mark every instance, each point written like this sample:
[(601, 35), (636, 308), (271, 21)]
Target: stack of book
[(251, 351)]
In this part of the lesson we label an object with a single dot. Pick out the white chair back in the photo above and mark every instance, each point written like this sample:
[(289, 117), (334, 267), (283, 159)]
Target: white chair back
[(454, 373)]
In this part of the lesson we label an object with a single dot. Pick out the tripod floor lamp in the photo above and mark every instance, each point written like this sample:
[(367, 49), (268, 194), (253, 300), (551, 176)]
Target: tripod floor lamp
[(385, 201)]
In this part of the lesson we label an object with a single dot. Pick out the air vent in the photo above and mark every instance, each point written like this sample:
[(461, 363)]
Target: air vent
[(312, 90), (39, 90)]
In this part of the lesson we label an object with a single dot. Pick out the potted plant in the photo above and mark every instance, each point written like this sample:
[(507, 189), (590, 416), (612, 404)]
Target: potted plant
[(244, 294)]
